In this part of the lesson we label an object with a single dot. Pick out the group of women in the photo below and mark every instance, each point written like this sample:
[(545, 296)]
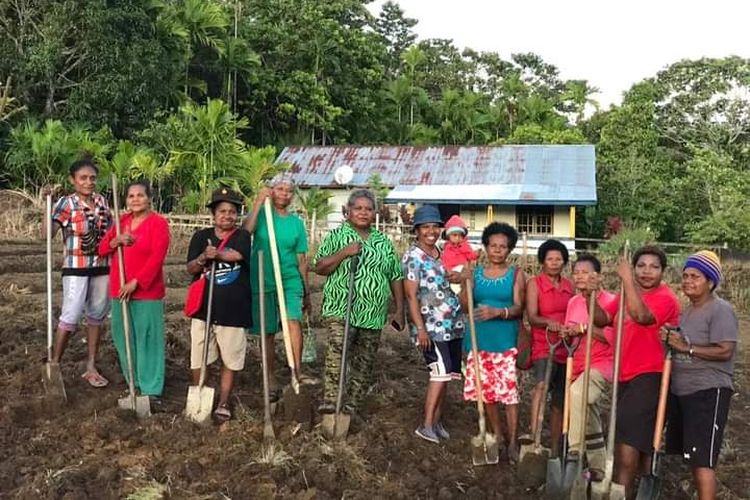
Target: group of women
[(553, 305), (702, 341)]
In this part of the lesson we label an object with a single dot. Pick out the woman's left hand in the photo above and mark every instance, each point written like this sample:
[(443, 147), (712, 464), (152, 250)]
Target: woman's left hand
[(485, 313), (127, 290)]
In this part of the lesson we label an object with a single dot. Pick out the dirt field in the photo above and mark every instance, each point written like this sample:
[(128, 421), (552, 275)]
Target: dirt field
[(89, 449)]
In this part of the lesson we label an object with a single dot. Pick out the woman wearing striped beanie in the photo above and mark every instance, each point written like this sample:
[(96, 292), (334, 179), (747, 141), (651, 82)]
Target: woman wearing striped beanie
[(703, 366)]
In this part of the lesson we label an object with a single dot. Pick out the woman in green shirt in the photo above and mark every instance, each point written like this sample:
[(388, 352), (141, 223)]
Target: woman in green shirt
[(378, 277), (291, 240)]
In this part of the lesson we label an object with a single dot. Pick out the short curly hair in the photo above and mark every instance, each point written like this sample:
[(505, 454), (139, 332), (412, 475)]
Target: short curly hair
[(500, 228), (650, 250), (550, 245), (587, 257)]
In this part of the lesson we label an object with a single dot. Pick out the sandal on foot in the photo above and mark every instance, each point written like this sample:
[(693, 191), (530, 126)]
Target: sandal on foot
[(95, 379), (222, 413)]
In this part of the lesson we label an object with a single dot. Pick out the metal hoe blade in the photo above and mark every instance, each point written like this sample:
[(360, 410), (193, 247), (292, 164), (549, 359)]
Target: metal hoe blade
[(335, 426), (484, 449), (52, 380), (200, 403), (139, 404)]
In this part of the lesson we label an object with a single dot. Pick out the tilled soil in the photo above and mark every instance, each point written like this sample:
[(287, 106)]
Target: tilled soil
[(90, 449)]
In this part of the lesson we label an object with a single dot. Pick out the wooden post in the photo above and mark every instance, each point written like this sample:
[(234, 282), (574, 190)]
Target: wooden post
[(377, 221), (525, 247), (313, 224)]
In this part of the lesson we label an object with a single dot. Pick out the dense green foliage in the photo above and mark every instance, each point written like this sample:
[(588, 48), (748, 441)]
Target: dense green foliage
[(184, 92)]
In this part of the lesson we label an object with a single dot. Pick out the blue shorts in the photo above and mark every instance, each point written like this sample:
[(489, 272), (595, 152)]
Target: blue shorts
[(444, 360)]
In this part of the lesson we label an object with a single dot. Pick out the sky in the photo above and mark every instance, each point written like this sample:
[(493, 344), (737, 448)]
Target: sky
[(611, 43)]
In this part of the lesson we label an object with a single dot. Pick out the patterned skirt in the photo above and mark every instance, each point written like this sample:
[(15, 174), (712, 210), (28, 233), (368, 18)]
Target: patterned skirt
[(498, 375)]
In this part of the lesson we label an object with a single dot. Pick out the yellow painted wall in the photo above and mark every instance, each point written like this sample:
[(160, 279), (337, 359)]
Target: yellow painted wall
[(561, 222), (476, 218)]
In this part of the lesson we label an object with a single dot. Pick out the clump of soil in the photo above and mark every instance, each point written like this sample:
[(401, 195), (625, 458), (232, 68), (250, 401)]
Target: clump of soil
[(90, 449)]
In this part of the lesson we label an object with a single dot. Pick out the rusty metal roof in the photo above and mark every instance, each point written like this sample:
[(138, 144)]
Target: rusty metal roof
[(525, 174)]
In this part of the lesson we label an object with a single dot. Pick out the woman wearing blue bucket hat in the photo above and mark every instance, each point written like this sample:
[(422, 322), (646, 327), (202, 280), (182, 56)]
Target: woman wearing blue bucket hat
[(437, 325)]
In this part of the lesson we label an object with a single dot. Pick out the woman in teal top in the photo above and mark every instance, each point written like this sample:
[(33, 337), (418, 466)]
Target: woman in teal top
[(498, 301)]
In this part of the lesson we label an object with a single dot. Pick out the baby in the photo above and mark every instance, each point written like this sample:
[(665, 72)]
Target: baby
[(457, 251)]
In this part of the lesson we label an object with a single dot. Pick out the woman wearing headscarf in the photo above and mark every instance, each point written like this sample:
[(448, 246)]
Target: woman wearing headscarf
[(703, 366), (291, 241), (145, 240)]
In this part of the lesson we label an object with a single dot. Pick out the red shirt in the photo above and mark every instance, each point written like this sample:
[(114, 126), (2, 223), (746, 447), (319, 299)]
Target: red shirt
[(601, 352), (457, 255), (553, 302), (642, 348), (144, 259)]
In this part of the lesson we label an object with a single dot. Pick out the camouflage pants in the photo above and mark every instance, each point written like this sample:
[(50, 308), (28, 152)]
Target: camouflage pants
[(363, 347)]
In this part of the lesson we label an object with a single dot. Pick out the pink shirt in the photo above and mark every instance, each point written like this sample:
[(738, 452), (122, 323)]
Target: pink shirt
[(602, 359), (144, 259), (553, 302)]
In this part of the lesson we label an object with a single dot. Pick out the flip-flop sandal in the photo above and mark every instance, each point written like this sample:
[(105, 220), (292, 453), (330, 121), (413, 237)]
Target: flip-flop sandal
[(95, 379), (222, 413)]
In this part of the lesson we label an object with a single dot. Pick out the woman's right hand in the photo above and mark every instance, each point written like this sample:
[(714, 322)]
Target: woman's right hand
[(423, 340), (124, 240), (262, 195), (210, 252)]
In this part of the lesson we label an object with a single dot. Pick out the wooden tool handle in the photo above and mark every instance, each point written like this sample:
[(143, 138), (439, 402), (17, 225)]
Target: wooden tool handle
[(661, 410), (268, 210), (475, 355), (566, 404)]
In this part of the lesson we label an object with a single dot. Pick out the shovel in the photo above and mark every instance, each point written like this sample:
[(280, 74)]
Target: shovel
[(560, 473), (484, 448), (51, 374), (336, 426), (606, 489), (200, 398), (649, 486), (533, 461), (580, 487), (268, 435), (139, 404), (280, 295)]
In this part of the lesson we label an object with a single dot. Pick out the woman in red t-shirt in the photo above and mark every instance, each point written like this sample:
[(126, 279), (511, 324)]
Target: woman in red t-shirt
[(547, 296), (145, 240), (649, 304)]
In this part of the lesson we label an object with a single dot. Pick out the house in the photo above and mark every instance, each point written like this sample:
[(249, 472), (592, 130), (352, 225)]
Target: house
[(536, 188)]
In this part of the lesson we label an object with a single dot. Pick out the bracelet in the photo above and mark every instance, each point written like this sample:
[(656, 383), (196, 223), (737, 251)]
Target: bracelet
[(691, 352), (505, 310), (421, 329)]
